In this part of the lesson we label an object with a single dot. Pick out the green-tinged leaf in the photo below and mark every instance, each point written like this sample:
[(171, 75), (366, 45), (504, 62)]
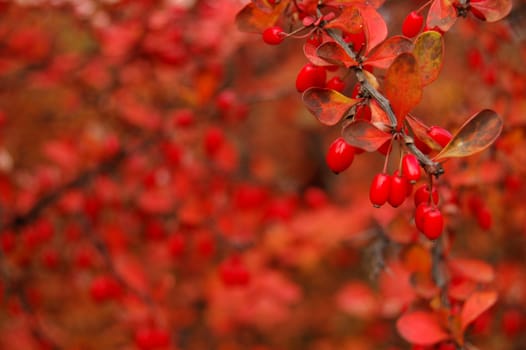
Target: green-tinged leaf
[(385, 53), (419, 130), (421, 328), (327, 105), (374, 27), (442, 14), (364, 135), (476, 304), (402, 85), (349, 20), (493, 10), (429, 53), (311, 53), (477, 134), (335, 54), (253, 19)]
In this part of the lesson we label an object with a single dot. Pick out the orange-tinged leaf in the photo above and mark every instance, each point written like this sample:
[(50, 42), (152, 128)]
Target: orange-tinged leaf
[(384, 54), (420, 131), (375, 27), (311, 52), (473, 269), (263, 5), (429, 54), (327, 105), (378, 115), (442, 14), (364, 135), (477, 134), (402, 85), (416, 258), (421, 328), (349, 20), (335, 54), (493, 10), (252, 19), (476, 304)]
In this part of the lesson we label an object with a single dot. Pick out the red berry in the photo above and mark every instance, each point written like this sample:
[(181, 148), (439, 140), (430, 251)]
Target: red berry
[(273, 35), (310, 76), (398, 190), (380, 189), (336, 84), (176, 244), (363, 111), (447, 346), (234, 273), (420, 214), (226, 100), (433, 223), (412, 24), (439, 135), (315, 197), (214, 139), (104, 288), (422, 146), (340, 155), (512, 322), (474, 58), (422, 195), (484, 218), (411, 167)]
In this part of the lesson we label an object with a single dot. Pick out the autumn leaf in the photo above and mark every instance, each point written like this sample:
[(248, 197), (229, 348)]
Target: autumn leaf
[(349, 20), (419, 130), (477, 134), (327, 105), (476, 304), (384, 54), (252, 18), (335, 54), (493, 10), (421, 328), (364, 135), (402, 85), (473, 269), (429, 53), (442, 14)]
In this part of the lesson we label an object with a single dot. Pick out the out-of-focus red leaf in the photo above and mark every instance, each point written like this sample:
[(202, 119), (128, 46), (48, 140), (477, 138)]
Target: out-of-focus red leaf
[(155, 201), (328, 106), (253, 19), (476, 304), (311, 52), (429, 54), (442, 14), (493, 10), (477, 133), (475, 270), (397, 291), (420, 131), (62, 153), (364, 135), (335, 54), (131, 271), (384, 54), (461, 289), (357, 299), (421, 328), (349, 20), (402, 85)]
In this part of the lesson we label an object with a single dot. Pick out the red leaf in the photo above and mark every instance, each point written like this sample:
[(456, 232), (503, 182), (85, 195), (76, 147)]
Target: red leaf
[(476, 304), (334, 53), (327, 105), (442, 14), (364, 135), (477, 134), (402, 85), (384, 54), (374, 27), (349, 20), (311, 52), (253, 19), (421, 328), (378, 115), (475, 270), (493, 10)]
